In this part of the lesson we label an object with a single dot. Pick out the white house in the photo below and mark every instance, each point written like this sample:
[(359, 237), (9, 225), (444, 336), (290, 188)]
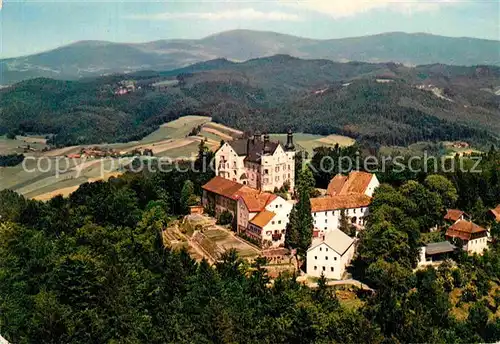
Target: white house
[(330, 255), (473, 237), (261, 164), (268, 227), (327, 211)]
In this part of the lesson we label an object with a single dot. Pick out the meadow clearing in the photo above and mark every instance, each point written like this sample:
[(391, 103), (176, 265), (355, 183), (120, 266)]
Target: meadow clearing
[(35, 179)]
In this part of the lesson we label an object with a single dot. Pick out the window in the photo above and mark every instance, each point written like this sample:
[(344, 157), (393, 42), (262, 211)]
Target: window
[(334, 258), (331, 269), (279, 222), (315, 257), (321, 249), (324, 269), (272, 222), (326, 249), (276, 206), (315, 268), (326, 220), (326, 257), (314, 214)]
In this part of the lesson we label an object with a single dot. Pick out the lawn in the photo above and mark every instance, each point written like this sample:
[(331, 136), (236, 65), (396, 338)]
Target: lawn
[(228, 241), (310, 141), (177, 129), (8, 146)]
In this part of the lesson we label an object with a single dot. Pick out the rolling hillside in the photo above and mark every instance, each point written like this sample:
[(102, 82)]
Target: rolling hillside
[(382, 103), (95, 58)]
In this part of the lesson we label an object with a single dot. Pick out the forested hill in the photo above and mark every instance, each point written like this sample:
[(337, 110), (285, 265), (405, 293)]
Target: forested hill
[(383, 103), (94, 58)]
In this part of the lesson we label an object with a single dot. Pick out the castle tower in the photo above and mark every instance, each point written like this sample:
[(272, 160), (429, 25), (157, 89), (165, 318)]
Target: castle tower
[(290, 153)]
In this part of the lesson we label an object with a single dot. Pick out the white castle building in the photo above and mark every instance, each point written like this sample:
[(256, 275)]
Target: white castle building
[(259, 163)]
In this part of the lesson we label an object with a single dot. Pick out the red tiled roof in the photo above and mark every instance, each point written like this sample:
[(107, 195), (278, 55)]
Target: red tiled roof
[(336, 184), (223, 187), (262, 218), (453, 215), (496, 213), (339, 202), (356, 183), (254, 200), (464, 229)]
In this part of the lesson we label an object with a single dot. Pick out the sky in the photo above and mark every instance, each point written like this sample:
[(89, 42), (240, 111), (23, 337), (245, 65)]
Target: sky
[(30, 26)]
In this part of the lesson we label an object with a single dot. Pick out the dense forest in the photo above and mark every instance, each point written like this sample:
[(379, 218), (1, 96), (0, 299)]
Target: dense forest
[(91, 268), (11, 160), (375, 103)]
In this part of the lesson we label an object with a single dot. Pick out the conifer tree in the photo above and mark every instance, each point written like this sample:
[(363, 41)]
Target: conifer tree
[(300, 227)]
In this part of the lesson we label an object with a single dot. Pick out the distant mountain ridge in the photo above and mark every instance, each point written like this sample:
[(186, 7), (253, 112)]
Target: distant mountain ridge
[(97, 58)]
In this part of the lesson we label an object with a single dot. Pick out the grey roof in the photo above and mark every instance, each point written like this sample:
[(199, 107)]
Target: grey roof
[(336, 240), (439, 247), (252, 149)]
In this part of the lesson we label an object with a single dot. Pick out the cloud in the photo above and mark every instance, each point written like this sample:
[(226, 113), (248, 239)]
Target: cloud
[(237, 14), (347, 8)]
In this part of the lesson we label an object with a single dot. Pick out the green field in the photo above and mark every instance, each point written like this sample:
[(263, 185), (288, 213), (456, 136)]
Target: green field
[(177, 129), (308, 142), (170, 140), (9, 146)]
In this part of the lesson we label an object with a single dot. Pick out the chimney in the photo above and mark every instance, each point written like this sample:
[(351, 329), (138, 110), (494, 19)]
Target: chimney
[(289, 141)]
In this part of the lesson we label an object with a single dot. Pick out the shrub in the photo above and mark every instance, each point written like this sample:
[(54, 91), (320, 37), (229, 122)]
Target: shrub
[(225, 218)]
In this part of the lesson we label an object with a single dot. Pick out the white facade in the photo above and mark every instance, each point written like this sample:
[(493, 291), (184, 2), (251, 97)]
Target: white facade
[(229, 165), (272, 234), (271, 172), (374, 183), (326, 221), (331, 256), (476, 245), (276, 169)]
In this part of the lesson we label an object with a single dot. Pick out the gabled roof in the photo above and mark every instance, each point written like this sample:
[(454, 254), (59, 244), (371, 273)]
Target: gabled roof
[(355, 183), (336, 184), (339, 202), (223, 187), (496, 213), (439, 248), (453, 215), (254, 200), (253, 149), (336, 240), (262, 218), (464, 229)]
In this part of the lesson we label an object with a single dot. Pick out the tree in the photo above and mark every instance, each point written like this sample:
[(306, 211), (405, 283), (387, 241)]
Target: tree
[(345, 226), (444, 187), (300, 221), (225, 218), (188, 198)]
